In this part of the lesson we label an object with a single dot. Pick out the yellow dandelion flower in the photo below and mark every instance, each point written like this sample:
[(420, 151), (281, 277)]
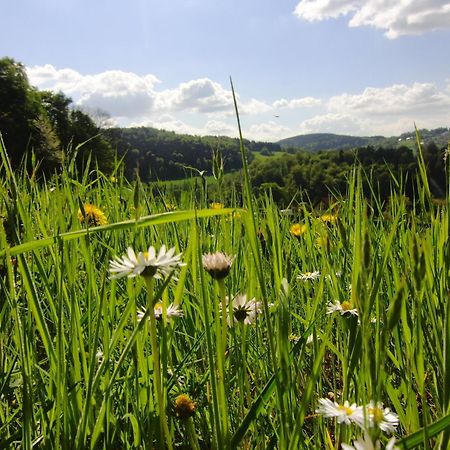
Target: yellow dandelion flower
[(171, 207), (328, 218), (298, 229), (216, 205), (92, 217), (184, 407)]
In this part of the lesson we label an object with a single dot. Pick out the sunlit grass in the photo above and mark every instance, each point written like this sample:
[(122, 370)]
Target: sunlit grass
[(78, 365)]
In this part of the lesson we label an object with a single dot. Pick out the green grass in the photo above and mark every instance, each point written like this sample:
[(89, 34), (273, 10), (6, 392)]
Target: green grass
[(77, 368)]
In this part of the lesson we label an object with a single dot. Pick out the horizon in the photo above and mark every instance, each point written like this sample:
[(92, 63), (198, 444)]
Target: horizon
[(301, 67)]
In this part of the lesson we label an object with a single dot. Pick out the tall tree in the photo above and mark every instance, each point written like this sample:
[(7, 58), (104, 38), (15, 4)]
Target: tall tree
[(24, 123)]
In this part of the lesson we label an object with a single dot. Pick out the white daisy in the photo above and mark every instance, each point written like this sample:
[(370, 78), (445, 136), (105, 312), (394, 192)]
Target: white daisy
[(145, 263), (366, 443), (343, 308), (171, 311), (245, 311), (309, 276), (381, 417), (345, 413)]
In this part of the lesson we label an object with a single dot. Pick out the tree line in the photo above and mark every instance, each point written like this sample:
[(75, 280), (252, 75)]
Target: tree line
[(316, 175), (44, 129), (46, 125)]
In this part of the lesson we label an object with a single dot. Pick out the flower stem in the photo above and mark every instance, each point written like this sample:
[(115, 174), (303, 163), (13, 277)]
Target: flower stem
[(164, 429), (192, 435), (221, 347)]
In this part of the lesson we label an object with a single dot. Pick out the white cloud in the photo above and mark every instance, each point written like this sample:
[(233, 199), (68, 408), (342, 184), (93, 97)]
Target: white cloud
[(267, 131), (396, 17), (201, 95), (333, 123), (304, 102), (121, 94), (314, 10), (128, 95), (385, 111), (415, 99), (203, 106)]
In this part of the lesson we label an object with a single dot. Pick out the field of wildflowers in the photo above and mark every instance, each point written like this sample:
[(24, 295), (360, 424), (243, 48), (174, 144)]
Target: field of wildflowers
[(129, 323)]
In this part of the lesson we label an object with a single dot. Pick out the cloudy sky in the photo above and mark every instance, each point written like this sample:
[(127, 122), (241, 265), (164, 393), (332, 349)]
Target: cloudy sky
[(299, 66)]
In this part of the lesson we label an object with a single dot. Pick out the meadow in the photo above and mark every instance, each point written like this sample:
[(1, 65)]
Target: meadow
[(294, 329)]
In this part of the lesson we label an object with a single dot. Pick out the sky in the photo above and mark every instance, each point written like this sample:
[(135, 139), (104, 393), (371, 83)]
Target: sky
[(365, 68)]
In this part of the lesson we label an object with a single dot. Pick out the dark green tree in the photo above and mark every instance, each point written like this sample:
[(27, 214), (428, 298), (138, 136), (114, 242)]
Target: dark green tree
[(24, 123)]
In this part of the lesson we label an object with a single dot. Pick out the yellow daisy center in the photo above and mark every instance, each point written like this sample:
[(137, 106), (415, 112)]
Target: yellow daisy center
[(377, 414), (346, 306), (346, 409)]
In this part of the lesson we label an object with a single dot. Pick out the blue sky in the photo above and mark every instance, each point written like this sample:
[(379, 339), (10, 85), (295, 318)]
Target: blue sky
[(299, 66)]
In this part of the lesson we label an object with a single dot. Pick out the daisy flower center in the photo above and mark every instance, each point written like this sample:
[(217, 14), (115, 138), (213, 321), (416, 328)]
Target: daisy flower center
[(241, 313), (346, 409), (346, 306), (377, 414)]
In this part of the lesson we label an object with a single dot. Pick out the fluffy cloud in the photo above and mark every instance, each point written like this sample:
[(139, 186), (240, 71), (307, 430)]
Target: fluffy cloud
[(121, 94), (268, 131), (396, 17), (304, 102), (389, 110), (417, 99), (128, 95), (331, 122), (203, 106), (314, 10), (202, 95)]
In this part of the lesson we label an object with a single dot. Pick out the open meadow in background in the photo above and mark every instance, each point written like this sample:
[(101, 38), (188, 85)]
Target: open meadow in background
[(263, 328)]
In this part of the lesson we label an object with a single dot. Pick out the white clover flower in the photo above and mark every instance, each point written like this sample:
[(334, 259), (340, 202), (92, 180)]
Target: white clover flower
[(145, 263), (171, 311), (217, 264), (344, 413), (309, 276), (382, 418), (366, 443), (343, 308), (245, 311)]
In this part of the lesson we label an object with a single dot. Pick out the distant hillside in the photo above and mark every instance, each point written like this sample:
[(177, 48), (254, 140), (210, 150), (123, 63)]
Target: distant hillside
[(327, 141), (166, 155)]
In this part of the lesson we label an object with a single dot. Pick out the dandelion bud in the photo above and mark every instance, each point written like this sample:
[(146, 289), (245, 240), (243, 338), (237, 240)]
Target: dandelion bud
[(184, 407)]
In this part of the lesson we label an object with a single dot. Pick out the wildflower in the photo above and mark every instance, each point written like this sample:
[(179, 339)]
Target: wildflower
[(298, 229), (309, 276), (171, 311), (99, 356), (217, 264), (328, 218), (343, 308), (365, 443), (345, 413), (310, 339), (381, 417), (216, 205), (245, 311), (184, 407), (92, 216), (322, 241), (146, 263)]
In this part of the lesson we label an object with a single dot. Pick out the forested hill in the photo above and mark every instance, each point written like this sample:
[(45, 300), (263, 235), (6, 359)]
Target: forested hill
[(165, 155), (327, 141)]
